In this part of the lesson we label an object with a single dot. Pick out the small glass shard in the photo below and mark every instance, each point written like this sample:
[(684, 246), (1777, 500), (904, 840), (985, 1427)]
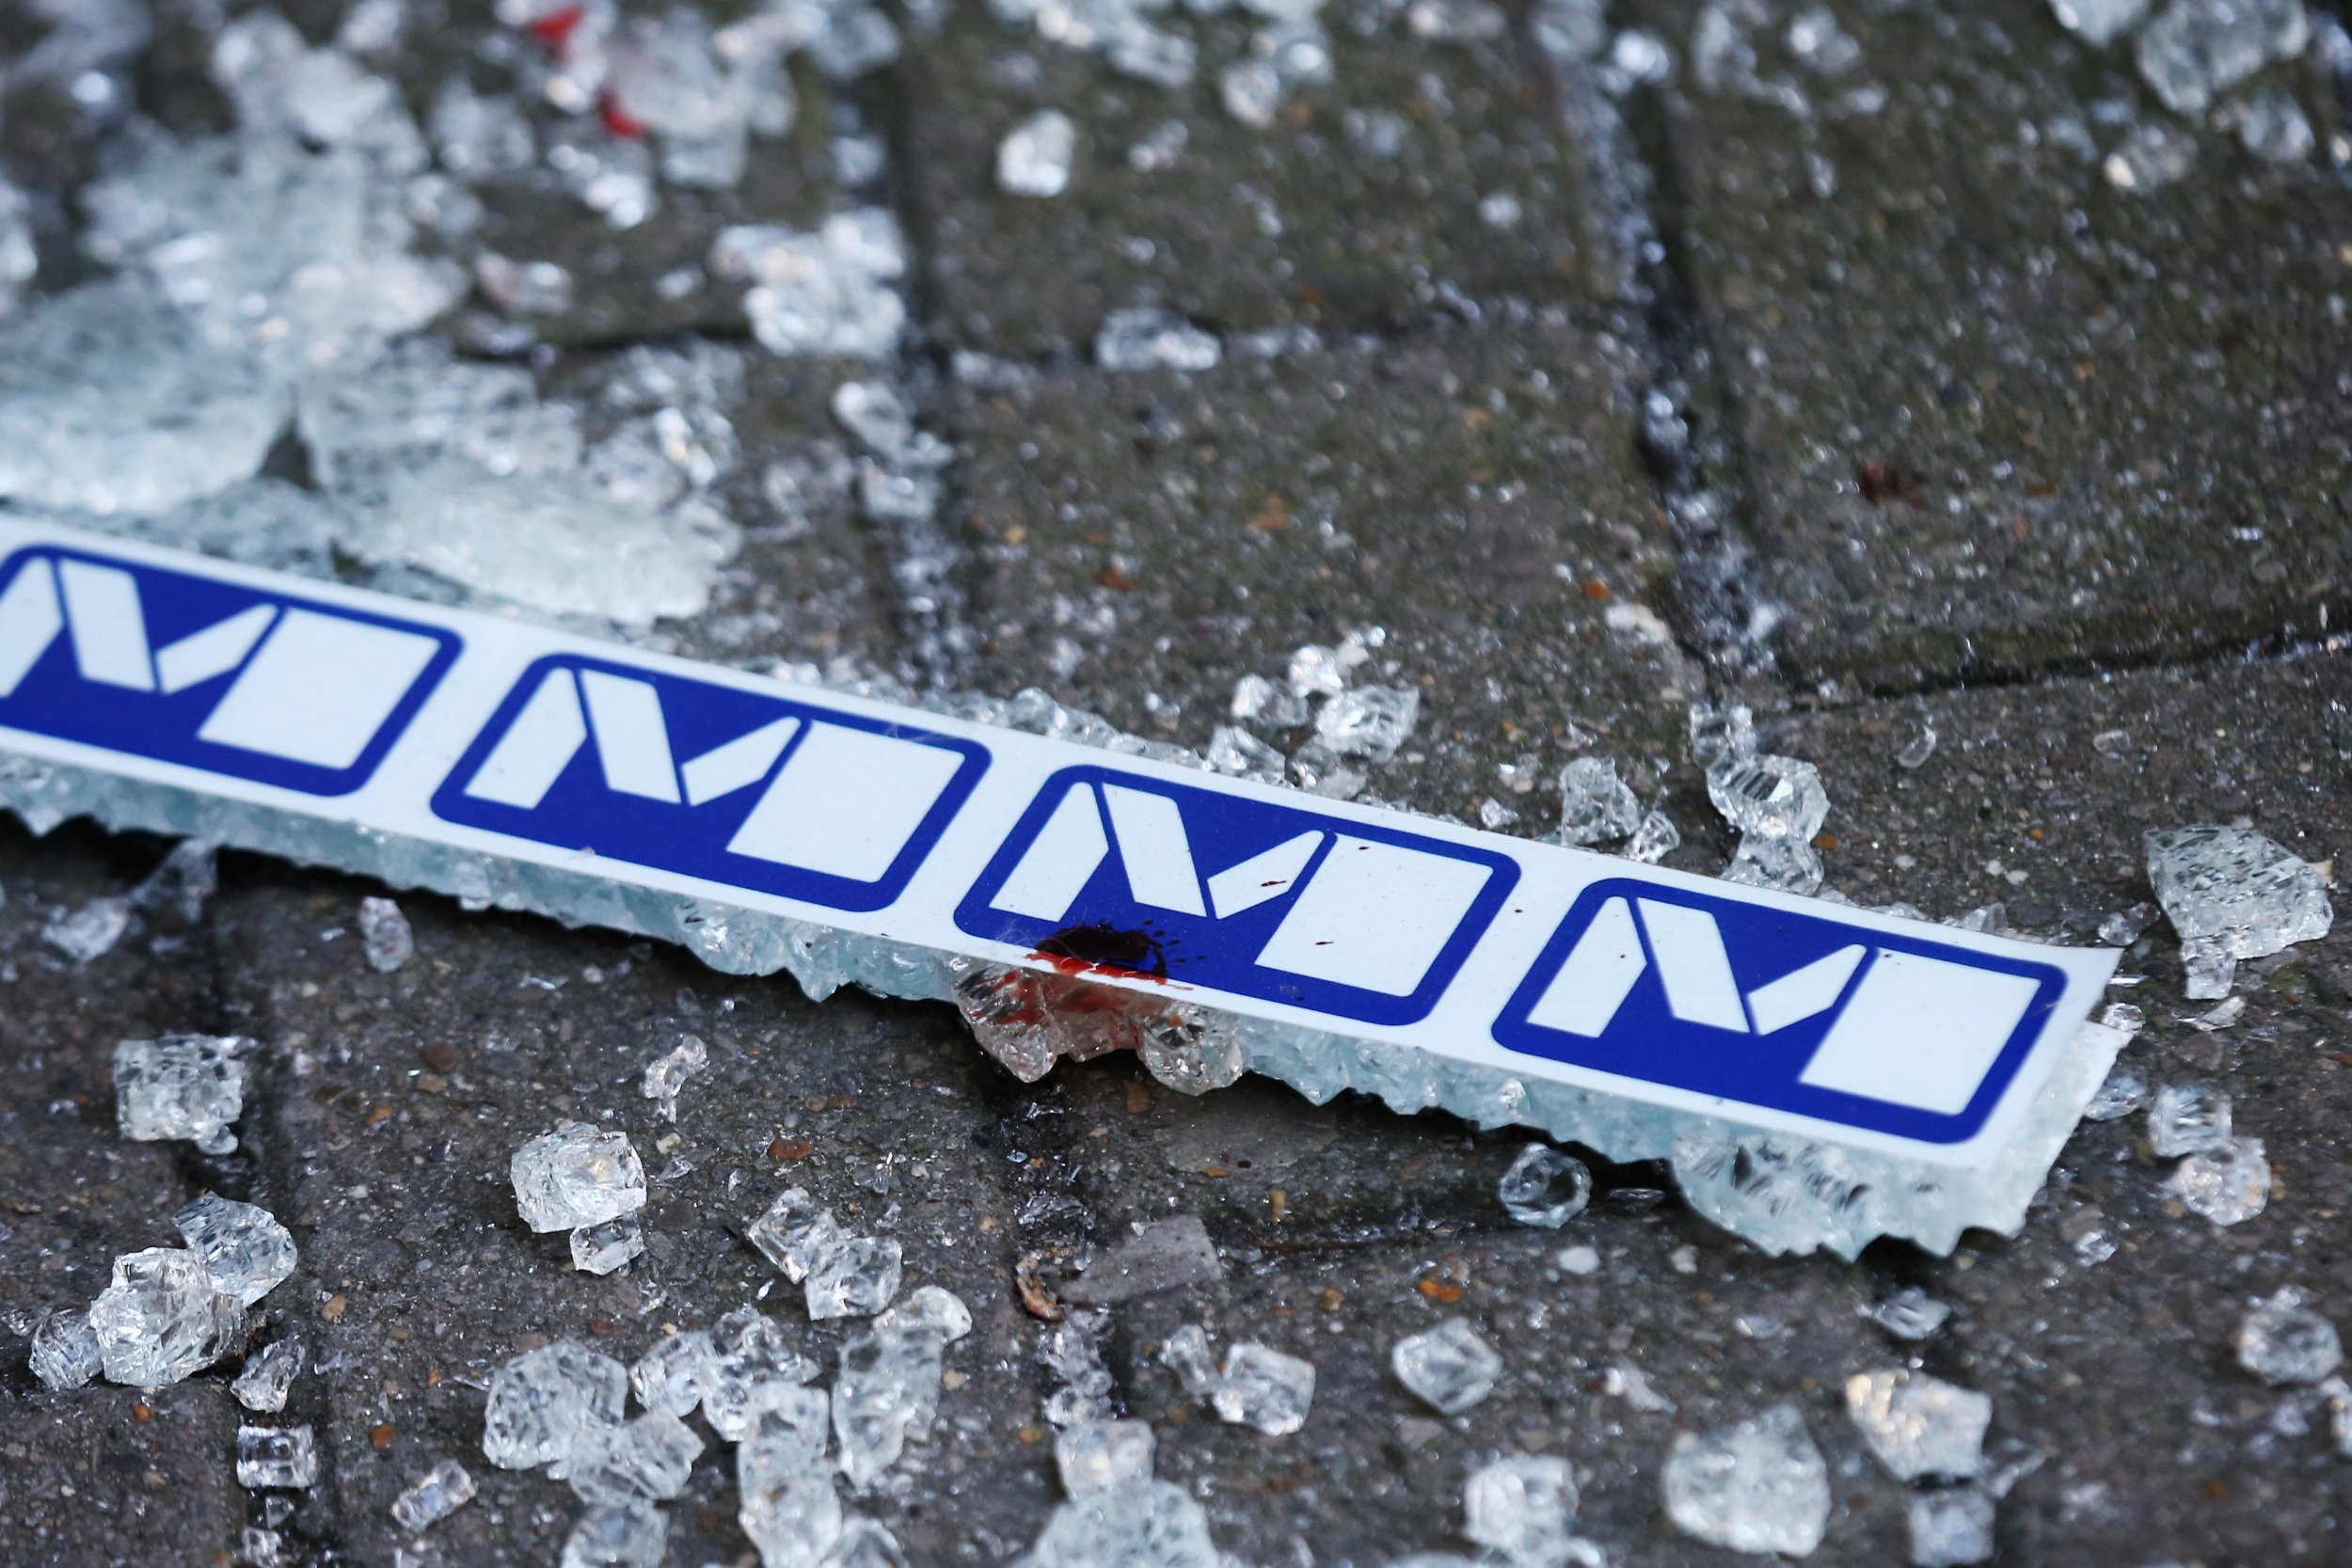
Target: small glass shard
[(856, 1279), (2282, 1341), (1104, 1456), (433, 1497), (796, 1234), (2233, 894), (1186, 1354), (182, 1086), (2227, 1187), (1156, 1525), (602, 1248), (1448, 1368), (1035, 156), (666, 1074), (64, 1353), (542, 1401), (1520, 1506), (2125, 1092), (749, 1364), (577, 1175), (1145, 339), (1369, 722), (632, 1535), (246, 1251), (1759, 1487), (671, 1376), (1950, 1529), (1545, 1188), (384, 935), (279, 1458), (1263, 1388), (90, 932), (269, 1373), (2184, 1119), (161, 1320), (1596, 806), (1920, 1425), (645, 1460)]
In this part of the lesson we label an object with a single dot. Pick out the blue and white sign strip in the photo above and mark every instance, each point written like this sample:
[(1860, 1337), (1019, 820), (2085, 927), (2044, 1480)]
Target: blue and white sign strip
[(441, 727)]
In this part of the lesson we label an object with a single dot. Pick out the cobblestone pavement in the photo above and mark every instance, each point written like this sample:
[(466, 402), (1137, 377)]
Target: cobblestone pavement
[(1863, 392)]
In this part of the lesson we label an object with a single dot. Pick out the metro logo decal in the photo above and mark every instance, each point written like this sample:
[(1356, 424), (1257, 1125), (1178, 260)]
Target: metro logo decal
[(1240, 894), (711, 781), (1765, 1006), (195, 670)]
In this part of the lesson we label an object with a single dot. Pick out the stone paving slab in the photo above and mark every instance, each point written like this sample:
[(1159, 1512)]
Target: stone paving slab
[(400, 1100), (1139, 541), (1359, 207), (1996, 416)]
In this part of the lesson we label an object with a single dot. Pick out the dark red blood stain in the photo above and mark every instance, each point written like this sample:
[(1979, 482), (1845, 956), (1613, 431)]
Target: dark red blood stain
[(1885, 482), (1098, 947), (555, 28), (617, 119)]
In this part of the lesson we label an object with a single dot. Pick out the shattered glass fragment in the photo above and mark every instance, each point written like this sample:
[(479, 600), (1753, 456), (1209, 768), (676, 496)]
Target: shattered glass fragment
[(2196, 50), (64, 1353), (1186, 1353), (1785, 865), (1519, 1507), (1449, 1367), (1596, 806), (261, 1547), (1759, 1487), (1150, 340), (2099, 22), (433, 1497), (2123, 928), (1104, 1456), (1035, 156), (855, 1279), (528, 287), (1950, 1527), (2220, 1017), (90, 932), (1916, 751), (576, 1176), (269, 1373), (2153, 156), (2272, 126), (475, 135), (796, 1234), (2281, 1340), (1655, 839), (1237, 753), (181, 1087), (750, 1365), (645, 1460), (866, 1544), (2185, 1117), (384, 935), (1769, 797), (1251, 92), (1191, 1051), (2125, 1092), (787, 1433), (1262, 1387), (1156, 1525), (792, 1517), (1718, 732), (1920, 1425), (1909, 1313), (542, 1401), (2122, 1016), (1316, 671), (602, 1248), (247, 1252), (1495, 816), (280, 1458), (2233, 894), (1545, 1188), (666, 1074), (876, 415), (932, 1308), (1278, 707), (1369, 722), (671, 1375), (827, 293), (633, 1535), (2225, 1185), (886, 1393)]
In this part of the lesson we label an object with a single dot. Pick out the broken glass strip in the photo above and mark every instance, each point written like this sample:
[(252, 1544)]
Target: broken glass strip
[(1384, 1015)]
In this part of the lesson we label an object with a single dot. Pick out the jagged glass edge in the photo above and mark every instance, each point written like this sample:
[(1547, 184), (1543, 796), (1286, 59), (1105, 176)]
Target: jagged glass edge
[(1783, 1194)]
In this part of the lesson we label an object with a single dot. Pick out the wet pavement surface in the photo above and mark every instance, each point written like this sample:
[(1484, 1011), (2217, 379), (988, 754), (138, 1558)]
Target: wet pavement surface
[(1864, 394)]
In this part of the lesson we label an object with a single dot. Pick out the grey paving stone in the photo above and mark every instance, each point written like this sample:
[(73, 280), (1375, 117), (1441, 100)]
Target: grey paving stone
[(1309, 221), (1995, 415), (1142, 541), (401, 1098), (101, 1474)]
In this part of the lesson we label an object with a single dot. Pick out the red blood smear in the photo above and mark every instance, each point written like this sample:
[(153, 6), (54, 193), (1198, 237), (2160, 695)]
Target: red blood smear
[(617, 119), (555, 28)]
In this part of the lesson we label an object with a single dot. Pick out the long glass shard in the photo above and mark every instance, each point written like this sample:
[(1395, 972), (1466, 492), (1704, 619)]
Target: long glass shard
[(1418, 960)]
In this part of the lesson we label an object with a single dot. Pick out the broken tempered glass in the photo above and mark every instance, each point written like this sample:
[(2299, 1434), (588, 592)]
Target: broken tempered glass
[(1784, 1190)]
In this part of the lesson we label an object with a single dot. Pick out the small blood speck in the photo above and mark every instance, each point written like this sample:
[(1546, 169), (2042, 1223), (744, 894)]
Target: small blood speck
[(555, 28), (617, 119)]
